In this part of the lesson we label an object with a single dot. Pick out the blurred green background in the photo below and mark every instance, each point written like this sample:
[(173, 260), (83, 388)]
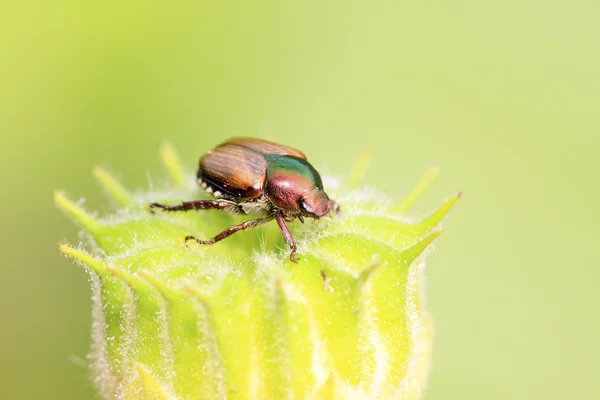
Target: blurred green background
[(503, 96)]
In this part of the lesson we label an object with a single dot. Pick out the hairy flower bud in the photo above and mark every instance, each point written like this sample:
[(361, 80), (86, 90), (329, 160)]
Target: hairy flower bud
[(237, 319)]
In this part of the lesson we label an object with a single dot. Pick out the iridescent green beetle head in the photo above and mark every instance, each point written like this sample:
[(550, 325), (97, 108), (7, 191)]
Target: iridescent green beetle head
[(293, 185)]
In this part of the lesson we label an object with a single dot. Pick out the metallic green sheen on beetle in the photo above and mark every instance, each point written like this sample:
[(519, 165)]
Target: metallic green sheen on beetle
[(257, 177)]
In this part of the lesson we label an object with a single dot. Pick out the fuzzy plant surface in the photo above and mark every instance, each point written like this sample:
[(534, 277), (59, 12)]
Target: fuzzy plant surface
[(238, 319)]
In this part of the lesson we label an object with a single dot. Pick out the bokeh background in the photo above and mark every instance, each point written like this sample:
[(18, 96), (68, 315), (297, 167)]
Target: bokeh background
[(503, 96)]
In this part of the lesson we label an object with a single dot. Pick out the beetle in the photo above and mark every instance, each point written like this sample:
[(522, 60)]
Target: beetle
[(257, 177)]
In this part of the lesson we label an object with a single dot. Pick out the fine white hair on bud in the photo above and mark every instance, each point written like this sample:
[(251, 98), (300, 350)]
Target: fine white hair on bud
[(238, 319)]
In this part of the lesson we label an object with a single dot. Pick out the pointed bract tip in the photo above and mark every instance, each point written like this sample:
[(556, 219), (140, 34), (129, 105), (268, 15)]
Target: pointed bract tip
[(141, 369), (75, 211), (64, 248), (99, 173), (172, 163), (441, 212), (152, 389), (166, 148), (95, 264), (417, 191), (360, 166), (413, 252), (368, 272), (113, 187)]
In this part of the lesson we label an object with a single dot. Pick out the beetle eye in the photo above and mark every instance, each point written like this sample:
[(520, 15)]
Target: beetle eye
[(305, 207), (315, 204)]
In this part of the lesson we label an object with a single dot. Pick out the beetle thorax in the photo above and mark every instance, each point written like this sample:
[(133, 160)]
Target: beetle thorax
[(288, 179)]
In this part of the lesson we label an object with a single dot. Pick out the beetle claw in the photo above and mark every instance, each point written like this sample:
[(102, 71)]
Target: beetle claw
[(187, 239), (152, 206), (293, 257)]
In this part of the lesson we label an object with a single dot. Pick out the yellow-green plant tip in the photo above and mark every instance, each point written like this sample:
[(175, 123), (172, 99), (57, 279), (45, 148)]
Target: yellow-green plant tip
[(113, 187), (151, 389), (441, 212), (94, 264), (423, 244), (417, 191), (77, 212), (239, 320), (360, 167), (172, 162)]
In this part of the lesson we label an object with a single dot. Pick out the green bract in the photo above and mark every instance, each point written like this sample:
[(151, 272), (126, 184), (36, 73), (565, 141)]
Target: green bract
[(238, 320)]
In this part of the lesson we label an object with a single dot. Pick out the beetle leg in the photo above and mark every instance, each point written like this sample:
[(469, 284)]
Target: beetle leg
[(287, 235), (193, 205), (230, 231)]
